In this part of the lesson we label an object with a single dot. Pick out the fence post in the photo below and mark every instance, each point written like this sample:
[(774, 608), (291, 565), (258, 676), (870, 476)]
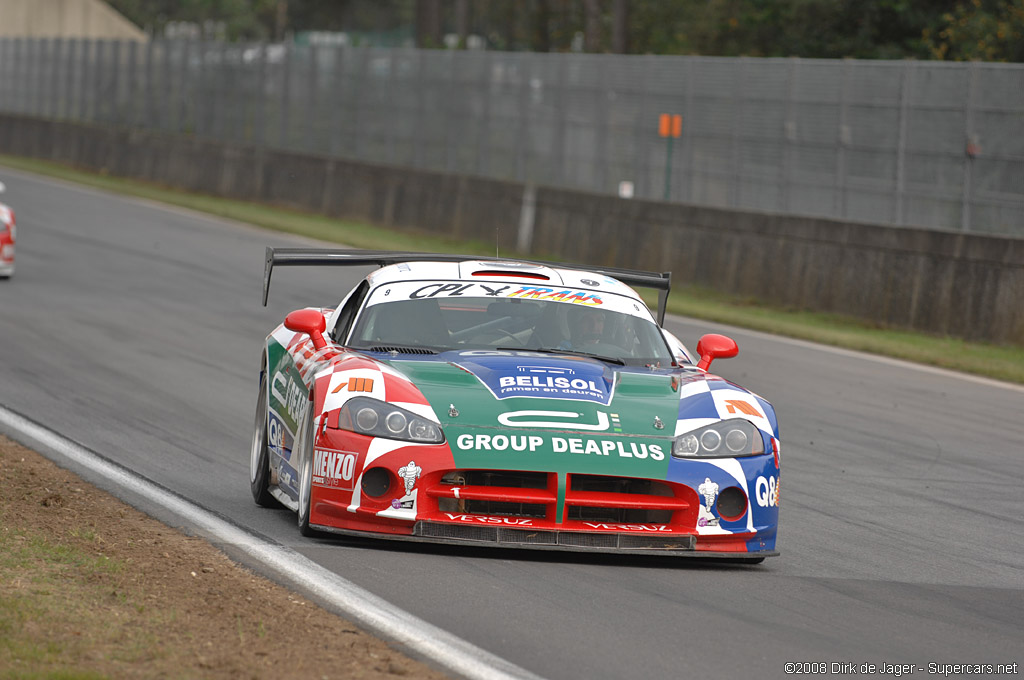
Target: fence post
[(906, 82), (50, 91), (844, 141), (687, 139), (201, 108), (227, 123), (84, 79), (603, 95), (183, 86), (31, 69), (421, 108), (132, 104), (259, 133), (147, 93), (483, 144), (114, 100), (388, 114), (285, 100), (527, 63), (18, 62), (361, 86), (790, 137), (163, 99), (733, 192), (561, 114), (971, 147), (312, 104), (449, 86), (70, 82)]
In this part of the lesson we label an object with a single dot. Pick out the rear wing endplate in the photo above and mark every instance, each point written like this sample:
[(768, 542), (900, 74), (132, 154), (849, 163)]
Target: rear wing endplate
[(338, 257)]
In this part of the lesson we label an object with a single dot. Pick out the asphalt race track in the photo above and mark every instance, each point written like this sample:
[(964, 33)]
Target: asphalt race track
[(135, 330)]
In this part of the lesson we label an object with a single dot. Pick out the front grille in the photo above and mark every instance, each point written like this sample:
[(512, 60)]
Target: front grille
[(510, 478), (588, 498), (566, 540), (581, 540), (500, 496), (494, 508), (602, 498)]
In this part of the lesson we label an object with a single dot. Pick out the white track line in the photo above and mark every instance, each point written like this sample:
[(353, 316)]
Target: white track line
[(451, 653)]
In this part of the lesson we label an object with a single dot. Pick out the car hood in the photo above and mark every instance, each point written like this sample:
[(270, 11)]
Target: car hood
[(524, 410)]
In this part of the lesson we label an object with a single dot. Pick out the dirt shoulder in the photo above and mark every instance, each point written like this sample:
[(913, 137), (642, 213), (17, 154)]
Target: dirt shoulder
[(92, 588)]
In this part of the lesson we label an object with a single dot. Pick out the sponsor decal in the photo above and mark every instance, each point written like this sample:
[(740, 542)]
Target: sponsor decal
[(464, 289), (275, 431), (545, 370), (628, 527), (333, 468), (288, 393), (507, 375), (709, 490), (355, 385), (565, 295), (499, 442), (616, 423), (409, 474), (620, 448), (446, 289), (570, 420), (767, 492), (485, 519), (738, 405), (550, 385), (285, 477)]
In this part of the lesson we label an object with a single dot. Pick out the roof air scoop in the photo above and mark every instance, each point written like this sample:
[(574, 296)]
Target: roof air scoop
[(509, 269), (512, 274)]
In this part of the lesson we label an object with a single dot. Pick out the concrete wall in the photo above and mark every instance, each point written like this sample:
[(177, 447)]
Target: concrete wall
[(949, 283), (65, 19)]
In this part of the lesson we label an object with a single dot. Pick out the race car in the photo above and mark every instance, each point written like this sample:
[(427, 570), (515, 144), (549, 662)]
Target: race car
[(7, 234), (520, 404)]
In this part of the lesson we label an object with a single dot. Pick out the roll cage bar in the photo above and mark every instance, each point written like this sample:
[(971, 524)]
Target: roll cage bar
[(338, 257)]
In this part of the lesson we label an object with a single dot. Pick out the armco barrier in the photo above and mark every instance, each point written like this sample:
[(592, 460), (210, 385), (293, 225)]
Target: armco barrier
[(958, 284)]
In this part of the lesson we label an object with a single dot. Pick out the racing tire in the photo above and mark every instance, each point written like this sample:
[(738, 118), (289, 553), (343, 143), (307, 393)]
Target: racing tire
[(303, 444), (259, 452)]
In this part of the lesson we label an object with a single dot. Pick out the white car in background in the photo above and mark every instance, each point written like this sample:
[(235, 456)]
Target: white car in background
[(7, 233)]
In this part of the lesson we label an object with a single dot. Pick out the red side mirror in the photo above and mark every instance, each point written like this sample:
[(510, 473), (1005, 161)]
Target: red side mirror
[(310, 322), (714, 346)]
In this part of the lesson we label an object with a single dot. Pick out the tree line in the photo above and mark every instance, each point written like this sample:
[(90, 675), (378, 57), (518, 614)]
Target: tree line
[(988, 30)]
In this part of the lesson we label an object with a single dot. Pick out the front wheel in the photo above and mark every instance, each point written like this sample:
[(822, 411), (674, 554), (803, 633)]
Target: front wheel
[(304, 446), (259, 452)]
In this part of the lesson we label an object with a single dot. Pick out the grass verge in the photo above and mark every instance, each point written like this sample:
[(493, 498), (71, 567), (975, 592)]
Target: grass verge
[(1003, 362), (91, 588)]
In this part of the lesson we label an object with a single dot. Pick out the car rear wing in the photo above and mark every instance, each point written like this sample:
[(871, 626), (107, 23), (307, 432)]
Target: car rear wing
[(338, 257)]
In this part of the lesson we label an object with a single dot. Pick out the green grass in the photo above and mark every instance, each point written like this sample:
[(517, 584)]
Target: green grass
[(47, 581), (1003, 362)]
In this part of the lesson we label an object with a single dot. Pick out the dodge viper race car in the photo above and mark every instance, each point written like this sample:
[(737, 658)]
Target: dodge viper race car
[(7, 231), (517, 404)]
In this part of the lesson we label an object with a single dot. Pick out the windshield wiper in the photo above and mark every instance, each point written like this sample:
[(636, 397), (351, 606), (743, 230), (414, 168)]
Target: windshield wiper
[(545, 350)]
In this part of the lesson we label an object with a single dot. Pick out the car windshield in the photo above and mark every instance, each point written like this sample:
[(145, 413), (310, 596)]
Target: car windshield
[(611, 327)]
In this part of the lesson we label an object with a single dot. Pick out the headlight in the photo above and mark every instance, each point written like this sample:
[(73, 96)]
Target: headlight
[(379, 419), (725, 439)]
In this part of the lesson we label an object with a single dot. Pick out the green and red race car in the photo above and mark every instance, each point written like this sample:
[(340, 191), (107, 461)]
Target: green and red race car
[(522, 404)]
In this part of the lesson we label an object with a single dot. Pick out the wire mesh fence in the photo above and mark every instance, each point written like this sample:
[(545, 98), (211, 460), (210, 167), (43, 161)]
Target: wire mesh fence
[(931, 144)]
